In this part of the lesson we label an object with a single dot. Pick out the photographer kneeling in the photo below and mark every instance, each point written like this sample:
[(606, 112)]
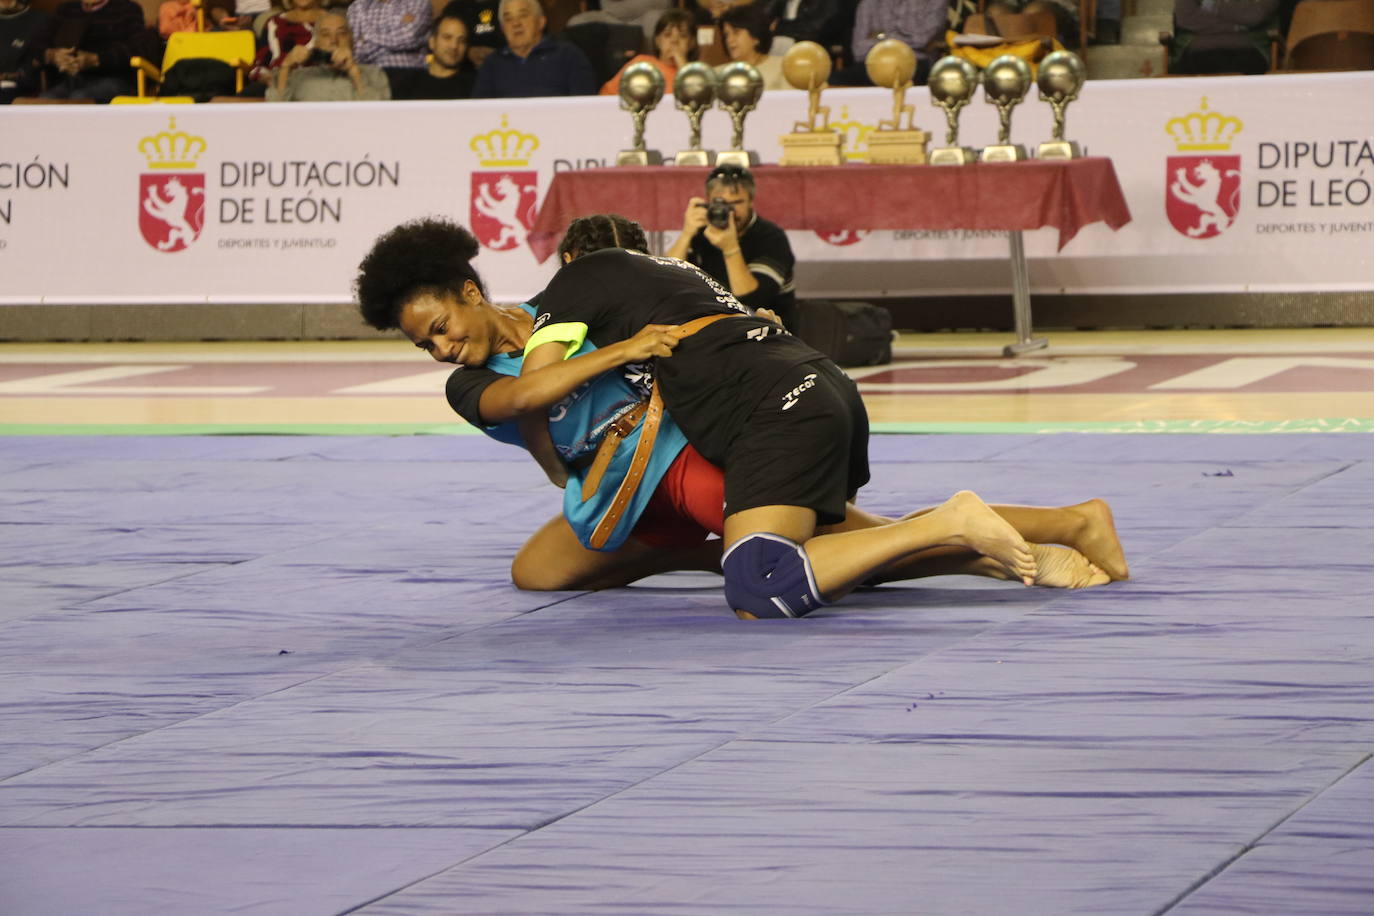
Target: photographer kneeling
[(744, 252)]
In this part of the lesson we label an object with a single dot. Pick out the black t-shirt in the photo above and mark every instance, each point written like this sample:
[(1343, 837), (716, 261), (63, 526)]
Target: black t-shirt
[(424, 85), (464, 391), (714, 378), (766, 250)]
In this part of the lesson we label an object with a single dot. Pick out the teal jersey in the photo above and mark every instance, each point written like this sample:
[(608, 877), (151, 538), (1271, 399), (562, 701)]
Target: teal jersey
[(577, 425)]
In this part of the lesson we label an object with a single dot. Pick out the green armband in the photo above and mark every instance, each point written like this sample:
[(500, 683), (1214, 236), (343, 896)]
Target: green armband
[(571, 334)]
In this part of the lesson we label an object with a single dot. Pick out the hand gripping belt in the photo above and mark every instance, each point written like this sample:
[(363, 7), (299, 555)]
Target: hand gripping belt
[(650, 412)]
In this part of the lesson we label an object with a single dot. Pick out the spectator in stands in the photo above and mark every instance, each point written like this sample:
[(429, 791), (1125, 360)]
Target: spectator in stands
[(86, 47), (484, 27), (450, 75), (175, 16), (749, 39), (710, 11), (748, 254), (18, 64), (328, 72), (675, 43), (915, 22), (821, 21), (391, 34), (642, 13), (284, 32), (249, 14), (531, 64), (1065, 13), (1222, 36)]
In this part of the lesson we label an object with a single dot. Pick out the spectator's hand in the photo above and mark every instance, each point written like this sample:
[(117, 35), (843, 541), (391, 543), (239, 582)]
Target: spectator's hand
[(695, 217), (61, 58), (717, 8), (768, 315), (296, 56), (726, 239), (343, 60)]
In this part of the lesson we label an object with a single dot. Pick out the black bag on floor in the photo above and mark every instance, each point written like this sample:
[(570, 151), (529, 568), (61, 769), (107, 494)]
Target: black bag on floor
[(850, 333)]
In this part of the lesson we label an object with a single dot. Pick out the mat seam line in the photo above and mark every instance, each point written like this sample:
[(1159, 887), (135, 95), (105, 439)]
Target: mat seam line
[(1225, 864), (537, 827), (309, 680), (605, 798)]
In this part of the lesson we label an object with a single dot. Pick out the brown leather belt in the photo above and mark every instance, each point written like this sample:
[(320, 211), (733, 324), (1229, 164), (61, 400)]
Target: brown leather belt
[(649, 412)]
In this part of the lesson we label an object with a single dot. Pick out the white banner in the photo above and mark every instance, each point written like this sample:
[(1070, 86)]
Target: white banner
[(1235, 184)]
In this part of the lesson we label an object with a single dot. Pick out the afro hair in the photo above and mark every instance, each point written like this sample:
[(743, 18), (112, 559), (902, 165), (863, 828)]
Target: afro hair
[(422, 256)]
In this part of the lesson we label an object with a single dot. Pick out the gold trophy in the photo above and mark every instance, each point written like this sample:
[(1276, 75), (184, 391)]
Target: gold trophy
[(693, 92), (641, 88), (1061, 76), (1005, 84), (952, 83), (738, 92), (813, 141), (891, 64)]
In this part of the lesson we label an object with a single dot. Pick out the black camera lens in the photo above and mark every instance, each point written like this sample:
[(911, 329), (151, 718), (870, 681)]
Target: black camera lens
[(320, 56), (718, 214)]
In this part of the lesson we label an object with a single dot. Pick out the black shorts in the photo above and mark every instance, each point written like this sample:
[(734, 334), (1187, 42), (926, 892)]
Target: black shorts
[(806, 444)]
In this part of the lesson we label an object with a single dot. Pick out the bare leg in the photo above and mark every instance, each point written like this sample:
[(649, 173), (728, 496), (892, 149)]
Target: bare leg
[(843, 559), (553, 560), (1056, 567), (1087, 527)]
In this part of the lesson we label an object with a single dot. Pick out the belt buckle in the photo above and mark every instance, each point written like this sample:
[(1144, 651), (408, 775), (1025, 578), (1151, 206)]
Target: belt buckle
[(625, 424)]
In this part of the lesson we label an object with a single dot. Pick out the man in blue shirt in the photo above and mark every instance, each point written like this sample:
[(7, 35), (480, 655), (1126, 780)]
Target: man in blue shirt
[(530, 64)]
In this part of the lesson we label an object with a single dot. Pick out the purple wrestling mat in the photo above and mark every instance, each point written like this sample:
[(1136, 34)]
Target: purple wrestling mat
[(288, 675)]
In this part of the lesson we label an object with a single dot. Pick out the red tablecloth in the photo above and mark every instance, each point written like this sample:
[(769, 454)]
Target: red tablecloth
[(1065, 194)]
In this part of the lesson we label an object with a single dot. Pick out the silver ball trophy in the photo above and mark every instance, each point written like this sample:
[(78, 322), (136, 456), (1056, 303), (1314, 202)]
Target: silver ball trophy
[(641, 88), (1060, 78), (741, 86), (1005, 83), (694, 91), (952, 82)]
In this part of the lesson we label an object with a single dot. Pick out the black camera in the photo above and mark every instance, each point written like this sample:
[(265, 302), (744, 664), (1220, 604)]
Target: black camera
[(320, 57), (718, 213)]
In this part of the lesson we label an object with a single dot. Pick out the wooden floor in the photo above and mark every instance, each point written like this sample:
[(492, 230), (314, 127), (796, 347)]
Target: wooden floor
[(1263, 380)]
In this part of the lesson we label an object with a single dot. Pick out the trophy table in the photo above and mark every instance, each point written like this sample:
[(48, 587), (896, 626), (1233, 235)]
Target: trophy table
[(891, 64), (813, 141), (641, 88)]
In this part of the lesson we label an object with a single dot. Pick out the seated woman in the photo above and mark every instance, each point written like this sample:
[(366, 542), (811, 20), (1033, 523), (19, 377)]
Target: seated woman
[(675, 43), (419, 277), (748, 38), (283, 32)]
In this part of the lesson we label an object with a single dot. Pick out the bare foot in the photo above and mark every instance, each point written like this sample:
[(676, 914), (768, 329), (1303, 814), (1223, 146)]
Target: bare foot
[(979, 528), (1097, 540), (1064, 567)]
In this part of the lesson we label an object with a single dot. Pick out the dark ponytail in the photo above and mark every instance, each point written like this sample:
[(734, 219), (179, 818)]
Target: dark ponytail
[(604, 230)]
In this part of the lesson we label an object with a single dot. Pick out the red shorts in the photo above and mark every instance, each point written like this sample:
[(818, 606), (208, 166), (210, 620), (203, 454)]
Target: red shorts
[(688, 505)]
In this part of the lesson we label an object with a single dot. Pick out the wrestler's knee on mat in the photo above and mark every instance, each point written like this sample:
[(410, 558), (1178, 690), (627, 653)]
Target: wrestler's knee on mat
[(769, 576)]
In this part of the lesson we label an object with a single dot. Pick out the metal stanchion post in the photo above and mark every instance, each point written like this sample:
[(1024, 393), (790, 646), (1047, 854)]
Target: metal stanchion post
[(1020, 299)]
